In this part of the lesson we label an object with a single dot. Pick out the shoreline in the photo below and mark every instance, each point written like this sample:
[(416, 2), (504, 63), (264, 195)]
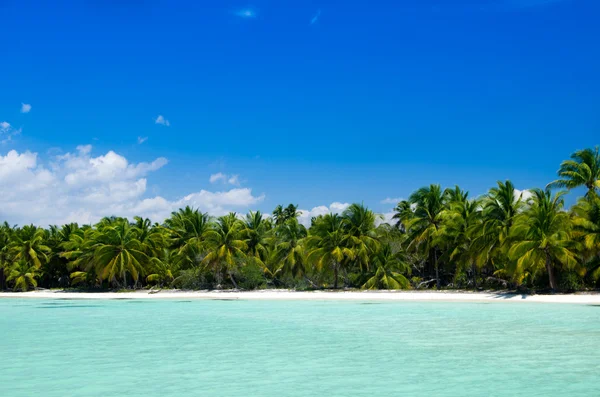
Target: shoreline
[(287, 295)]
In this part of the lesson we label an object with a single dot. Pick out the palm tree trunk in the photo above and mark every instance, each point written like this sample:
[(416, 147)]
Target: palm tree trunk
[(437, 270), (335, 276), (473, 270), (551, 275), (233, 281), (2, 282), (125, 280)]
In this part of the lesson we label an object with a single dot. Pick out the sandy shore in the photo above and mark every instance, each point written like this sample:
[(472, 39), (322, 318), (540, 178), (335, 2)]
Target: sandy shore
[(448, 296)]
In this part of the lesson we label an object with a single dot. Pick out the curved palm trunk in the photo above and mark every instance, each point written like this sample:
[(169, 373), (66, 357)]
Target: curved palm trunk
[(233, 280), (551, 275), (125, 280), (437, 270), (335, 275), (474, 272)]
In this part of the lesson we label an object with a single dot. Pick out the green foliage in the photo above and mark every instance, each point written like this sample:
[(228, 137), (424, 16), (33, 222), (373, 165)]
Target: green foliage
[(252, 277), (438, 237)]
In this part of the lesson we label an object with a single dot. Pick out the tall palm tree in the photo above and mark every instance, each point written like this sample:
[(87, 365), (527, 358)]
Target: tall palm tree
[(290, 212), (278, 215), (425, 225), (460, 220), (582, 170), (360, 224), (226, 247), (117, 251), (500, 208), (256, 232), (542, 236), (188, 228), (403, 214), (388, 268), (289, 253), (329, 244)]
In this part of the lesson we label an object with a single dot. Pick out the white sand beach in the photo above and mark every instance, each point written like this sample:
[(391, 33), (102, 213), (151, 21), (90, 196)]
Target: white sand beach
[(388, 296)]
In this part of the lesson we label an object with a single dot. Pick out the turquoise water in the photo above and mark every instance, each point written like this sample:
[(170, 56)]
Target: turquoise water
[(298, 348)]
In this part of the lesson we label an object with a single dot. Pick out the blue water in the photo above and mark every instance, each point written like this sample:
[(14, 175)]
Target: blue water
[(275, 348)]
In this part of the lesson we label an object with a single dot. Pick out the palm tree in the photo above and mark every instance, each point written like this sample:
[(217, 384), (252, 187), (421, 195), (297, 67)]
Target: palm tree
[(582, 170), (389, 267), (226, 246), (542, 236), (29, 244), (290, 212), (360, 225), (425, 225), (256, 231), (23, 274), (403, 214), (586, 230), (328, 244), (152, 237), (500, 208), (5, 239), (78, 251), (282, 215), (278, 215), (289, 253), (188, 228), (460, 220), (117, 251), (161, 268)]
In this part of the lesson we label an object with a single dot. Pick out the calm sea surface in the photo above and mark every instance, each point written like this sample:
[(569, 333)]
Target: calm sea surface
[(299, 348)]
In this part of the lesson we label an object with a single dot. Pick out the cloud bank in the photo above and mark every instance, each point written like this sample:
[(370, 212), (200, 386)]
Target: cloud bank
[(78, 187)]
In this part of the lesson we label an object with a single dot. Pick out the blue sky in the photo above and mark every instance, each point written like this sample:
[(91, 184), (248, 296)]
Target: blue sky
[(310, 102)]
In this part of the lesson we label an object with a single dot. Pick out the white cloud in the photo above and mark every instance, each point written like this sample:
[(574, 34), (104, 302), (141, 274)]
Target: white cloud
[(391, 200), (7, 131), (162, 121), (25, 108), (142, 139), (234, 180), (315, 18), (525, 194), (224, 178), (219, 176), (246, 13), (78, 187), (307, 215)]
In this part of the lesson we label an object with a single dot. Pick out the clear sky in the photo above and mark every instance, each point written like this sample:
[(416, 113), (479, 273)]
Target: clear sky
[(310, 102)]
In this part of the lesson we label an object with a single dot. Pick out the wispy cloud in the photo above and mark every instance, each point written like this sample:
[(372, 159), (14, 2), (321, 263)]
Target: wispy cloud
[(217, 177), (25, 108), (224, 178), (7, 132), (314, 19), (234, 180), (391, 200), (162, 121), (142, 139), (246, 13)]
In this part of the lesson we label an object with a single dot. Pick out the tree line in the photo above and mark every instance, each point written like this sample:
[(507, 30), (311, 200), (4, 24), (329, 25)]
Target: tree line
[(438, 238)]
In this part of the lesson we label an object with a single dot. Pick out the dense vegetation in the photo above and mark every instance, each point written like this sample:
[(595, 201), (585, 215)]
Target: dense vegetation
[(439, 238)]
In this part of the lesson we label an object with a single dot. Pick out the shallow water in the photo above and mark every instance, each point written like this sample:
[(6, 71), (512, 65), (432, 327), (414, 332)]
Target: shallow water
[(297, 348)]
